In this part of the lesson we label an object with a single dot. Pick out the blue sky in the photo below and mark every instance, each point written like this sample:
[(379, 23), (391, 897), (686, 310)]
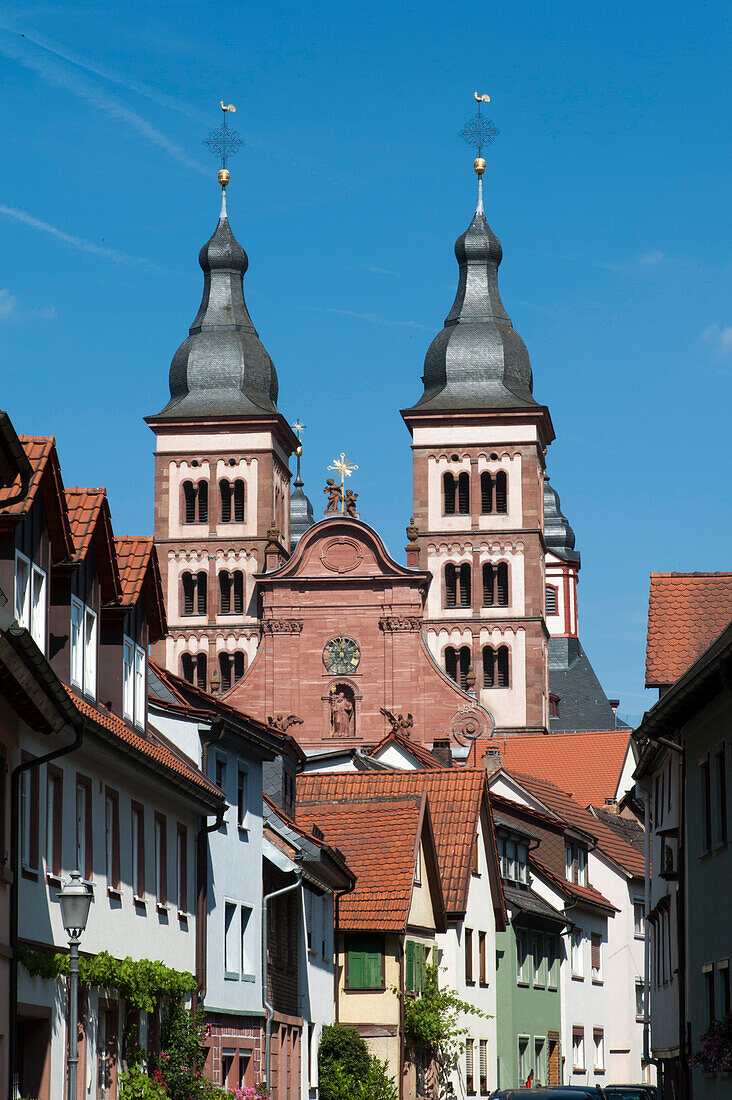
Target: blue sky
[(608, 187)]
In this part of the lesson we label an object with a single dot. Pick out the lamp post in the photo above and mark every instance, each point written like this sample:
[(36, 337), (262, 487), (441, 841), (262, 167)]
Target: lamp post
[(75, 897)]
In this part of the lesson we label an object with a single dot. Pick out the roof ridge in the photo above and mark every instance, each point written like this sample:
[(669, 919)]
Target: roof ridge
[(696, 573), (38, 439), (86, 489)]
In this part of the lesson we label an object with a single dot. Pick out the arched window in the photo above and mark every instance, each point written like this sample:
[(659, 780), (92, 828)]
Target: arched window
[(231, 592), (464, 493), (193, 667), (239, 501), (457, 585), (551, 600), (195, 502), (231, 667), (457, 664), (189, 598), (494, 493), (495, 584), (194, 593), (456, 494), (448, 494), (231, 501), (495, 667), (201, 593)]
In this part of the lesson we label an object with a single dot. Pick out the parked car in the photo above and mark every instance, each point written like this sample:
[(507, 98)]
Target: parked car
[(631, 1092), (554, 1092)]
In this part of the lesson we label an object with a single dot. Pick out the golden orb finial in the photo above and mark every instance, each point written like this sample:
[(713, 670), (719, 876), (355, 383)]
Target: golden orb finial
[(224, 176), (479, 166)]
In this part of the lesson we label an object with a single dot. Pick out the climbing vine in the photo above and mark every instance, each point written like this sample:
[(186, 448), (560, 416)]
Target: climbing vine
[(142, 982), (431, 1020)]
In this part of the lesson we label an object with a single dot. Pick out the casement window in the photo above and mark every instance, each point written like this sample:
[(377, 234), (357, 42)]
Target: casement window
[(470, 1067), (596, 956), (195, 593), (29, 817), (457, 664), (705, 779), (483, 1066), (161, 860), (522, 952), (539, 1066), (598, 1052), (552, 961), (84, 836), (709, 998), (193, 668), (495, 584), (469, 955), (456, 494), (231, 500), (111, 838), (578, 962), (551, 600), (138, 851), (242, 796), (575, 860), (30, 598), (640, 1003), (418, 868), (195, 502), (639, 920), (496, 671), (231, 668), (83, 648), (458, 586), (309, 917), (364, 961), (232, 942), (482, 959), (181, 868), (578, 1049), (538, 953), (475, 870), (720, 791), (133, 682), (415, 966), (523, 1058), (494, 493), (54, 819), (231, 592), (246, 932), (220, 771), (514, 856)]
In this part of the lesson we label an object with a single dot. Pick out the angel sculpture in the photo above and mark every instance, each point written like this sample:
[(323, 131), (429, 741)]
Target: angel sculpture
[(282, 722), (334, 493), (399, 722)]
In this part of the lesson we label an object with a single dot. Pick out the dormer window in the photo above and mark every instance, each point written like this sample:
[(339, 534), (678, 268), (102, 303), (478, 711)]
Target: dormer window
[(133, 683), (30, 599), (514, 856), (83, 648), (575, 858)]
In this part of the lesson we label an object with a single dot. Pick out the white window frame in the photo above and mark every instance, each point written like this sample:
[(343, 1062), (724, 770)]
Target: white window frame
[(160, 828), (523, 1057), (597, 972), (242, 804), (578, 1048), (577, 954), (76, 659), (22, 589), (26, 812), (640, 987), (90, 653), (522, 939), (140, 692), (598, 1050), (128, 678), (246, 933), (30, 611), (639, 926), (581, 866), (81, 824), (83, 659), (538, 963)]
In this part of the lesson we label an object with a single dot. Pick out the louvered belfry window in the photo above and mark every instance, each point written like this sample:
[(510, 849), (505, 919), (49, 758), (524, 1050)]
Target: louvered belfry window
[(202, 488), (449, 494), (238, 584), (495, 667), (551, 600), (238, 501), (201, 671), (465, 587), (188, 593), (495, 584), (486, 493), (225, 501), (464, 494), (457, 664), (189, 499), (502, 584), (201, 593), (501, 492), (224, 592), (450, 585)]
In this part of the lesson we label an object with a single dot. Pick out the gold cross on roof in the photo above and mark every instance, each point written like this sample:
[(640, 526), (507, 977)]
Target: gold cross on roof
[(343, 467)]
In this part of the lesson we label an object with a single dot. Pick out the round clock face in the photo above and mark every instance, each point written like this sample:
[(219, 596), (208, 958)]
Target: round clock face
[(341, 655)]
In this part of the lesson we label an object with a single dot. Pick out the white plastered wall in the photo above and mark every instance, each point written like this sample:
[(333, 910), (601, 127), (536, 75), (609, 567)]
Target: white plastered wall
[(507, 705), (232, 560), (178, 473), (245, 469), (180, 562)]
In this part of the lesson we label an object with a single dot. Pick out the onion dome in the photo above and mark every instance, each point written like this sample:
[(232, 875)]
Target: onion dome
[(301, 508), (222, 368), (558, 534), (478, 360)]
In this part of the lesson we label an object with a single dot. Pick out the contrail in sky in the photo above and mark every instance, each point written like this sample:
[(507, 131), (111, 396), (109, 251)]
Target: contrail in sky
[(55, 74), (76, 242)]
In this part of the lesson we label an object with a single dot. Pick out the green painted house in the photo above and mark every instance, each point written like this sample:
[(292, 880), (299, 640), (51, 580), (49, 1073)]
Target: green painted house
[(528, 959)]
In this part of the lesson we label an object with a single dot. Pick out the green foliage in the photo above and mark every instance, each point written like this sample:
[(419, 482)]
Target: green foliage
[(715, 1054), (142, 982), (182, 1055), (346, 1070), (136, 1085), (431, 1020)]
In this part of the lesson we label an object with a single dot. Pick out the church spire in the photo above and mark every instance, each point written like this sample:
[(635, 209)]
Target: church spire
[(222, 368), (301, 508), (478, 360)]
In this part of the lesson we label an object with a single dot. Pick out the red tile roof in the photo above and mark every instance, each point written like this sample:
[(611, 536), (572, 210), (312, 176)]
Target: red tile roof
[(137, 560), (455, 800), (45, 470), (586, 765), (686, 613), (379, 842), (419, 752), (583, 893), (571, 812), (90, 519), (37, 448), (145, 746)]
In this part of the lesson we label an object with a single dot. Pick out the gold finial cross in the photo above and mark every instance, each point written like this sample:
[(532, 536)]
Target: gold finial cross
[(345, 468), (298, 428)]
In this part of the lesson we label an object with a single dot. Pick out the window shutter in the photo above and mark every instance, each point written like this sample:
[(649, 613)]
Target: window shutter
[(225, 495), (465, 588), (451, 662), (238, 501), (450, 585), (203, 502), (501, 492), (201, 593), (502, 593), (238, 666), (373, 969), (596, 947), (551, 600), (464, 666), (503, 666), (409, 966), (189, 497), (489, 670), (225, 670), (356, 969), (224, 592), (488, 580), (486, 493), (238, 593), (448, 488), (187, 594), (464, 494)]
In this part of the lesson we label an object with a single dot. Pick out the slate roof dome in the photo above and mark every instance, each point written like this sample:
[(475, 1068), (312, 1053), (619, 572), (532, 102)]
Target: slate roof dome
[(558, 534), (302, 517), (478, 360), (222, 368)]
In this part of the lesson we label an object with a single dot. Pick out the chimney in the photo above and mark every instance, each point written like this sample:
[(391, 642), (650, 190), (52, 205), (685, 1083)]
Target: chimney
[(611, 806), (492, 761), (614, 703), (441, 749)]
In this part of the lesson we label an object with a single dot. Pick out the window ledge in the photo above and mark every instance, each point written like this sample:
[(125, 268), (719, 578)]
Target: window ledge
[(113, 892), (578, 977), (28, 872), (366, 989), (139, 901), (183, 917), (522, 983), (248, 978), (484, 985), (53, 879), (598, 1072), (470, 981), (229, 976), (243, 832), (578, 1069), (161, 907), (598, 981)]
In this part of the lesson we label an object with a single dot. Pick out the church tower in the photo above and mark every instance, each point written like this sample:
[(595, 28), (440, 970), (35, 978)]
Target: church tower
[(478, 440), (222, 478)]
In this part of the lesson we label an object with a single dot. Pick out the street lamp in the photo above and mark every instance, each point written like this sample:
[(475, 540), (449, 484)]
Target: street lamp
[(75, 897)]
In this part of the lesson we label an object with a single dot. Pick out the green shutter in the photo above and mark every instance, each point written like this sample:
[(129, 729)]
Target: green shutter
[(355, 968), (374, 963), (409, 979), (365, 962)]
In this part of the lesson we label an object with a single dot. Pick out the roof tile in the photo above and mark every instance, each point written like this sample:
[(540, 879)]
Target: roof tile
[(686, 613)]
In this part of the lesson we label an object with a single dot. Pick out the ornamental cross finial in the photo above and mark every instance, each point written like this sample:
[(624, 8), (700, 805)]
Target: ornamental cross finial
[(224, 142), (298, 428), (345, 468), (479, 131)]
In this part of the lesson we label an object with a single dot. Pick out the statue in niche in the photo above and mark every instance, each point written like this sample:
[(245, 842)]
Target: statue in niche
[(342, 711), (349, 504), (334, 494)]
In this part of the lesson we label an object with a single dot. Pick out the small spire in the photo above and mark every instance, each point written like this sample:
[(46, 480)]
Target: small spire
[(479, 131), (301, 508)]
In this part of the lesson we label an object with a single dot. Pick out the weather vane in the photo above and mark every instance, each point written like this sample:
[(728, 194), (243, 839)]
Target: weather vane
[(479, 131), (224, 142)]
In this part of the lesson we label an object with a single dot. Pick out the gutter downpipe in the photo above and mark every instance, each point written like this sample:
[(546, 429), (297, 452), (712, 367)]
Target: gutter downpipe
[(18, 771), (217, 733), (268, 1009)]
